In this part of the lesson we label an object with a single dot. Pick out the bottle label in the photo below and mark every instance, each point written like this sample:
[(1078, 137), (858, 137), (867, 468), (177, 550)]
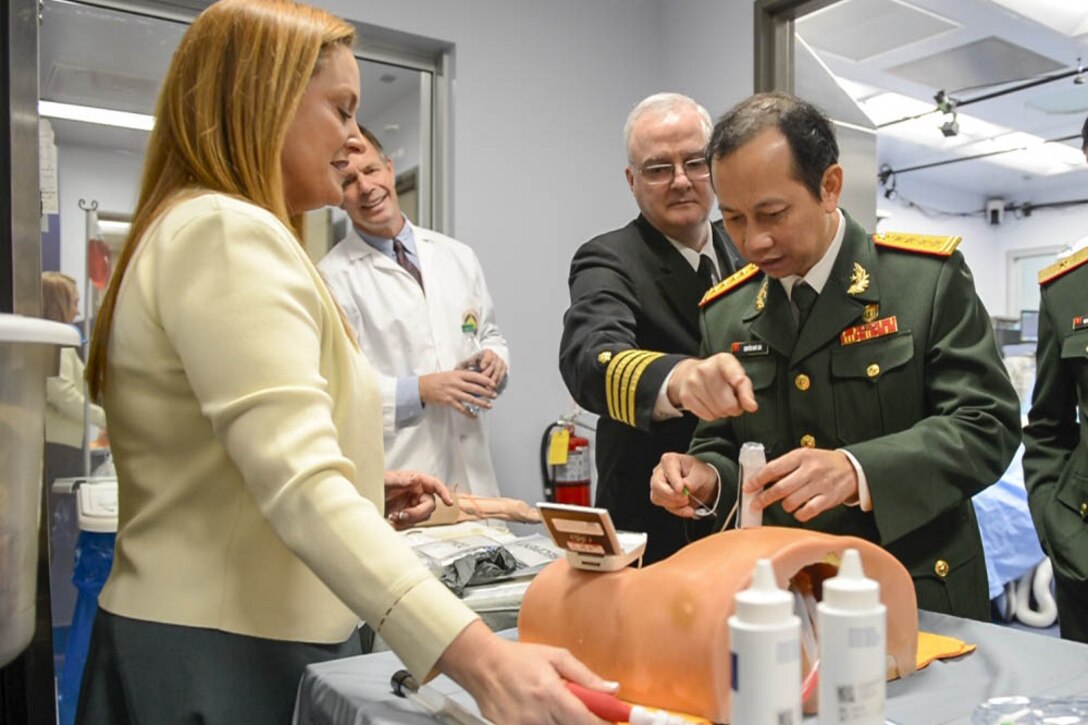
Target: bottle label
[(859, 701)]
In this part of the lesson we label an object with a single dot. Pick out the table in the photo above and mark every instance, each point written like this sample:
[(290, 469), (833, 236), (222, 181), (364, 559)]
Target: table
[(355, 691)]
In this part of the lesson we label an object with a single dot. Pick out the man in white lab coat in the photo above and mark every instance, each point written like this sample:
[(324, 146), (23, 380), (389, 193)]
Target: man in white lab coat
[(419, 304)]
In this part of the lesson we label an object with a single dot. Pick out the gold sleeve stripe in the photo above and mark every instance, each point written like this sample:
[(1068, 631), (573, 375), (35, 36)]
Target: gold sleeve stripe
[(612, 380), (937, 246), (632, 389), (622, 380), (616, 378), (1067, 264)]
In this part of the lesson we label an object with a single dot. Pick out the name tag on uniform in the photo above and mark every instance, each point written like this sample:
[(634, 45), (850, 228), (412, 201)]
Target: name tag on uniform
[(868, 331), (748, 349), (1081, 322)]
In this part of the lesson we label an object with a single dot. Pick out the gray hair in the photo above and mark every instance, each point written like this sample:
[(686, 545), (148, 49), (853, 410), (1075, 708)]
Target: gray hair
[(662, 103)]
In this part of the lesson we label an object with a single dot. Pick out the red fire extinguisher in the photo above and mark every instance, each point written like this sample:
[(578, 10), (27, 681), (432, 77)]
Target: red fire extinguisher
[(566, 461)]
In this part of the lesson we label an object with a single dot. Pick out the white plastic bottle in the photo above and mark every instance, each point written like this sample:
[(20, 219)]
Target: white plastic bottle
[(852, 625), (764, 635), (751, 461)]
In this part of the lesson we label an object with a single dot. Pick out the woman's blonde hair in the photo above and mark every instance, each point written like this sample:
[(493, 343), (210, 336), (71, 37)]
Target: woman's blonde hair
[(59, 295), (229, 95)]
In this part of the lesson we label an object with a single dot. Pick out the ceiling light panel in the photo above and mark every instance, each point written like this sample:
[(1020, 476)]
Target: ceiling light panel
[(983, 63), (102, 116), (861, 29), (1068, 18)]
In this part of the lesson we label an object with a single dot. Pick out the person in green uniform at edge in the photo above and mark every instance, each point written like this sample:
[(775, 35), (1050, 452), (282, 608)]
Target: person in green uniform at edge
[(865, 364), (1055, 443)]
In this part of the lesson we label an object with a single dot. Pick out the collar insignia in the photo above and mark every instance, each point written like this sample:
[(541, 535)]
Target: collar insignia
[(859, 280), (761, 296)]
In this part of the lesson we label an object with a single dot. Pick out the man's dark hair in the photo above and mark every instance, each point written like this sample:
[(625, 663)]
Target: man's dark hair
[(809, 133), (372, 140)]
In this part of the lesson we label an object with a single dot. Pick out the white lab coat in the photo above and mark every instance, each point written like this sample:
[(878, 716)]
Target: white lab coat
[(403, 332)]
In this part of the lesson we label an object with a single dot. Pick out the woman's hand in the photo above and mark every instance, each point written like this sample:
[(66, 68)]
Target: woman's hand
[(409, 497), (518, 683)]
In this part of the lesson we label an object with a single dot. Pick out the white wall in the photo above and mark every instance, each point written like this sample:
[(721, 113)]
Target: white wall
[(709, 50), (110, 177), (984, 246), (979, 247)]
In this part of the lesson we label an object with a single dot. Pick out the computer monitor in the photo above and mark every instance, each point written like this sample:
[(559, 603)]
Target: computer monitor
[(1029, 325)]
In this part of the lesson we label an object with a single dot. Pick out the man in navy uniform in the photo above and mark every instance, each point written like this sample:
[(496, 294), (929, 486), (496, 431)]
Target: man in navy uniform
[(634, 313), (866, 366)]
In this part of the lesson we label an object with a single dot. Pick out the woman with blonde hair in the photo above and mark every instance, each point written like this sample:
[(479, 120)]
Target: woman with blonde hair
[(64, 398), (245, 424)]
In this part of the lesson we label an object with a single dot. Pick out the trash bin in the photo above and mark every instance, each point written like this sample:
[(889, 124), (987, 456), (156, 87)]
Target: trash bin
[(28, 355)]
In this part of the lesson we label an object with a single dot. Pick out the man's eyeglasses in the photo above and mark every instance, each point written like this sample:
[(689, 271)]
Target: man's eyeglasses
[(695, 169)]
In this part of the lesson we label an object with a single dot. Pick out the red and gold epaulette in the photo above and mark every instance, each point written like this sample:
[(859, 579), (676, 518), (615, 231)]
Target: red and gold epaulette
[(1062, 266), (729, 284), (933, 245)]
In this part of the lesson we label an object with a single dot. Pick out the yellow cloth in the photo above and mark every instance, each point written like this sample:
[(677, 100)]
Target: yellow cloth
[(247, 436), (939, 647)]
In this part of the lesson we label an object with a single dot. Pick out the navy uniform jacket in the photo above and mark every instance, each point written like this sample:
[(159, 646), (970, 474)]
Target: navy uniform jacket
[(634, 314), (920, 398), (1056, 443)]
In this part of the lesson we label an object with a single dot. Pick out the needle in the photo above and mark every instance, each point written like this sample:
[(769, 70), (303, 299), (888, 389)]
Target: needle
[(703, 509)]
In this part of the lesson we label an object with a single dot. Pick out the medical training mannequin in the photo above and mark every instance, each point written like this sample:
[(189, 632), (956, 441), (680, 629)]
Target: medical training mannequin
[(662, 631)]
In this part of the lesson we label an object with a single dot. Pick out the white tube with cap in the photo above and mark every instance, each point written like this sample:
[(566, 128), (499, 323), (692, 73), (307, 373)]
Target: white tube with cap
[(764, 635), (852, 625), (751, 461)]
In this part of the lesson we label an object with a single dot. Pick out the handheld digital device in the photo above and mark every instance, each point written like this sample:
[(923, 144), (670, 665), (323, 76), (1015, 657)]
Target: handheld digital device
[(589, 538)]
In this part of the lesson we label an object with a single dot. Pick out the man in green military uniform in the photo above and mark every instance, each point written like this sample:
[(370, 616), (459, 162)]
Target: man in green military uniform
[(870, 370), (1056, 440)]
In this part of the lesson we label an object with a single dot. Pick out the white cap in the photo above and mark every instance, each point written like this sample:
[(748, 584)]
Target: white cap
[(850, 589), (763, 602)]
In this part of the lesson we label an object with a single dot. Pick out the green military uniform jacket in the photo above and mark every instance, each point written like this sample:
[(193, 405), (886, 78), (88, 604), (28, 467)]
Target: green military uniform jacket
[(924, 404), (1056, 445)]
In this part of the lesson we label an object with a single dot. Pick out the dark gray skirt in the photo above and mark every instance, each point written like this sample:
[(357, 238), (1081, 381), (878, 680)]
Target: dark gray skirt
[(147, 673)]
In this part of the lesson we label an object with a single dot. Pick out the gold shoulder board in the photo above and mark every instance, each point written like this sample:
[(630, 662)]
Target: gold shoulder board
[(1068, 264), (936, 246), (729, 283)]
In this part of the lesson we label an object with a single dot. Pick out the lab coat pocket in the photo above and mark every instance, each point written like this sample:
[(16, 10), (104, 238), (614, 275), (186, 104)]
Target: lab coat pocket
[(871, 382)]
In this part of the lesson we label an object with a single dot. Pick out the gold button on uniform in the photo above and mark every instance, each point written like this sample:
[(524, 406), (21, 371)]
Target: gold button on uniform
[(808, 441), (604, 358), (873, 370), (941, 567), (1084, 510), (802, 382)]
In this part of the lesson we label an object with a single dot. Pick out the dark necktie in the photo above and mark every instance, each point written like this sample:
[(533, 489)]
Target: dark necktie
[(403, 261), (804, 297), (706, 271)]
